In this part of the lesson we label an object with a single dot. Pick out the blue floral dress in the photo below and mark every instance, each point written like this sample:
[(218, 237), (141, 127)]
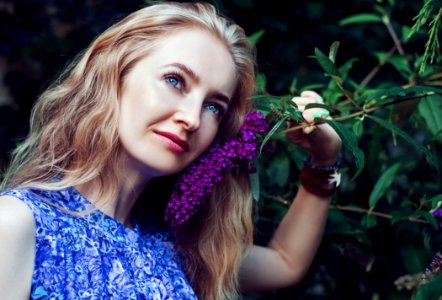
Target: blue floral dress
[(96, 257)]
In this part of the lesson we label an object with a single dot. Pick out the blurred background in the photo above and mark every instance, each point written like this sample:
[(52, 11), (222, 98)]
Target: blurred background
[(380, 235)]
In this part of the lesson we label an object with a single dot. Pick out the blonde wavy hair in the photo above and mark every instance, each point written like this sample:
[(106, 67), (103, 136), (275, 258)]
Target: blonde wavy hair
[(73, 136)]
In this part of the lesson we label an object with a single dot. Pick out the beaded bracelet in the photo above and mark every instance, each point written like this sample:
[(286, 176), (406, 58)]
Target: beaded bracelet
[(321, 180), (336, 166)]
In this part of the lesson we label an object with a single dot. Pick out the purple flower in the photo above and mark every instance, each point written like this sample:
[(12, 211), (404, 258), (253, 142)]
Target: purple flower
[(195, 185), (437, 214), (434, 268)]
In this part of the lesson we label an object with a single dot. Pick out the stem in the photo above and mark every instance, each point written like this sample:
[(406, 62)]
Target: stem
[(358, 113), (280, 200), (356, 209), (393, 34), (376, 213), (347, 94), (376, 69)]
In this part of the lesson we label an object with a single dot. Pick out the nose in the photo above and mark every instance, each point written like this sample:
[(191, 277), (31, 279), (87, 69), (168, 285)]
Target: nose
[(189, 116)]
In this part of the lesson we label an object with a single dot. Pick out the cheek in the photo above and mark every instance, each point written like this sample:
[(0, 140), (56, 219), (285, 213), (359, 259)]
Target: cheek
[(209, 131)]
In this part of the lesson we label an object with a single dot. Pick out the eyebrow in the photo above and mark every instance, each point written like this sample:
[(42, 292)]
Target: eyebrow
[(222, 97), (186, 70)]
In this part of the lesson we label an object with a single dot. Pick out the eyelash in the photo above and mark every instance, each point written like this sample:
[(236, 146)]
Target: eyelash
[(178, 77), (220, 108)]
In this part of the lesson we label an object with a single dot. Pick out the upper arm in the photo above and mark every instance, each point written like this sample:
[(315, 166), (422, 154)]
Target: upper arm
[(265, 269), (17, 248)]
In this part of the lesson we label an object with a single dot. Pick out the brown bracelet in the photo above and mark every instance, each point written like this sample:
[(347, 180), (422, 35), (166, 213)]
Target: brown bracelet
[(320, 181)]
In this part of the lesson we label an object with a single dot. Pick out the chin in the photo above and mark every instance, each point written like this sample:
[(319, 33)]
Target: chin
[(156, 170)]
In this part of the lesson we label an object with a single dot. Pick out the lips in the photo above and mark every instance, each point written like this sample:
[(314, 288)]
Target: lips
[(176, 139)]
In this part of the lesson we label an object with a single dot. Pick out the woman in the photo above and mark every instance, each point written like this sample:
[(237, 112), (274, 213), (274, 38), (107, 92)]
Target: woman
[(153, 97)]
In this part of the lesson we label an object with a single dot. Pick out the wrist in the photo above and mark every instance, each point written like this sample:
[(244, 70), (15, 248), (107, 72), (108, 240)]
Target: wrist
[(321, 180), (323, 165)]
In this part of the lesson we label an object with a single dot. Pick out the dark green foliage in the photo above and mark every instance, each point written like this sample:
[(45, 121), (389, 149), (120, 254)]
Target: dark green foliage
[(380, 227)]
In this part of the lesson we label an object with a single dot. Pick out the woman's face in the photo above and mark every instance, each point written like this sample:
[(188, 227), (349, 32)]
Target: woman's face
[(173, 101)]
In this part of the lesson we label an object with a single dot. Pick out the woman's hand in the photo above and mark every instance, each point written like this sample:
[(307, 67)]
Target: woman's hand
[(320, 140)]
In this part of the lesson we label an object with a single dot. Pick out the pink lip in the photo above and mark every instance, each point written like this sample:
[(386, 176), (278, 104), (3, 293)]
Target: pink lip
[(177, 143)]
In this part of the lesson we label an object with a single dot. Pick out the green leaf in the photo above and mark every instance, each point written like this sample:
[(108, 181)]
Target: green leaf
[(398, 215), (293, 88), (413, 257), (350, 141), (431, 110), (383, 184), (254, 184), (272, 131), (427, 238), (278, 170), (408, 138), (261, 83), (430, 290), (325, 62), (406, 30), (295, 114), (313, 86), (343, 70), (358, 128), (428, 217), (435, 201), (369, 220), (339, 224), (401, 65), (333, 51), (256, 36), (360, 18)]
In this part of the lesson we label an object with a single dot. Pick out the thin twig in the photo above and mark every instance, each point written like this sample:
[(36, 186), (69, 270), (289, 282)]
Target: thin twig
[(356, 209), (349, 97), (356, 114), (280, 200), (376, 213), (376, 69), (393, 35)]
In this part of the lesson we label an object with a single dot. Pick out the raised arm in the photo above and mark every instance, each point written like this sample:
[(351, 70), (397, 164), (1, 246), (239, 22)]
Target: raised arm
[(288, 256), (17, 248)]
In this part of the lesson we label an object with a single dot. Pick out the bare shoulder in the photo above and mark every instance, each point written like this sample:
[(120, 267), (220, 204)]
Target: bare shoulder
[(17, 248), (17, 224), (15, 216)]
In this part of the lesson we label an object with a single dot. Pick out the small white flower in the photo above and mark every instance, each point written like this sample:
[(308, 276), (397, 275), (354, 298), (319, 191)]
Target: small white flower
[(335, 178)]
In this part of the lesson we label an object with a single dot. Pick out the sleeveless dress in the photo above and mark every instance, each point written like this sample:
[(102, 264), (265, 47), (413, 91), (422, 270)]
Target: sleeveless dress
[(95, 256)]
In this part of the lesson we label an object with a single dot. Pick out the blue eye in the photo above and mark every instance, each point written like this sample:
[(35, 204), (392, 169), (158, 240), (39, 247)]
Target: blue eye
[(175, 82), (217, 110)]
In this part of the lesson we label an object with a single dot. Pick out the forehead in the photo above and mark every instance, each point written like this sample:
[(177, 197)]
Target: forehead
[(202, 52)]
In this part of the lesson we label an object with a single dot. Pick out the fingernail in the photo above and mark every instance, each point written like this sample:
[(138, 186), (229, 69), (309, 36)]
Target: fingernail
[(321, 114), (319, 99), (316, 115)]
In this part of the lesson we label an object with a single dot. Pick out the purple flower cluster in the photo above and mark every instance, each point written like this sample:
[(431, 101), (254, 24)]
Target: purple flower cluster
[(434, 268), (195, 184), (437, 214)]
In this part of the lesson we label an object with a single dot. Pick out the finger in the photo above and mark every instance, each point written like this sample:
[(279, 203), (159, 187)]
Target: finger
[(308, 97), (312, 95), (315, 113), (301, 102)]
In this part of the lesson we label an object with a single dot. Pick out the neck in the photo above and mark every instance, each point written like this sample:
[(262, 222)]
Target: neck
[(118, 206)]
